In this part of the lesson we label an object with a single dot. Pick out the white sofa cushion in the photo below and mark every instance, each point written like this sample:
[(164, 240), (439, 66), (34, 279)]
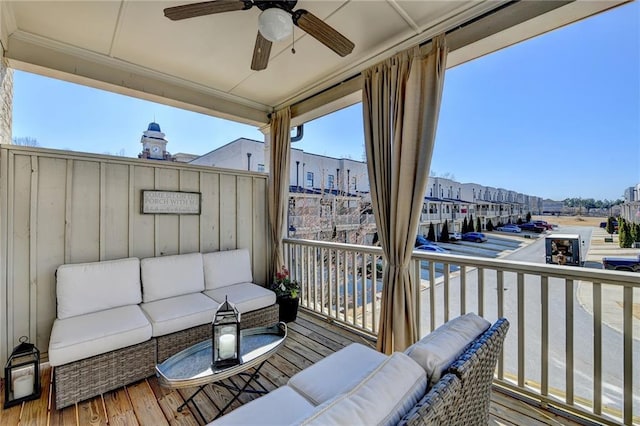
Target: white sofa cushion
[(438, 349), (223, 268), (280, 407), (96, 333), (381, 398), (337, 373), (82, 288), (179, 313), (169, 276), (246, 297)]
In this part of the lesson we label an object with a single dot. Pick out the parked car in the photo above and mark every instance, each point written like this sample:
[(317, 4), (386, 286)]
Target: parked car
[(543, 224), (631, 264), (455, 236), (509, 228), (432, 247), (477, 237), (532, 227), (421, 241)]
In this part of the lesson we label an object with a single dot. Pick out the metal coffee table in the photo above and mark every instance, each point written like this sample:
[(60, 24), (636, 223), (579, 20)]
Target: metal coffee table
[(192, 366)]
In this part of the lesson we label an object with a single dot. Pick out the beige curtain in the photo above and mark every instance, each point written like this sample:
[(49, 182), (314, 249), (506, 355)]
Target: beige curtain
[(401, 102), (279, 160)]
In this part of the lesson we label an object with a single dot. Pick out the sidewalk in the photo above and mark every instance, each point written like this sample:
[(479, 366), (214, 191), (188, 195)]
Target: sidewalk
[(612, 299)]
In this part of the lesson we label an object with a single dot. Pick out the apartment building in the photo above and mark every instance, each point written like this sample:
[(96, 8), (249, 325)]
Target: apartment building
[(330, 199)]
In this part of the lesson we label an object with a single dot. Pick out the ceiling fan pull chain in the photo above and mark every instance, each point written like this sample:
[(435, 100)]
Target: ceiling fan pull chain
[(293, 42)]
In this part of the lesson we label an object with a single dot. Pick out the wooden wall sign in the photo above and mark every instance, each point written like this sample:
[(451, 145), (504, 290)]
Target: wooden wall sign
[(170, 202)]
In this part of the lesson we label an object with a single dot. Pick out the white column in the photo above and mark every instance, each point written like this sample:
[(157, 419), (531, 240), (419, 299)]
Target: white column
[(6, 99), (266, 131)]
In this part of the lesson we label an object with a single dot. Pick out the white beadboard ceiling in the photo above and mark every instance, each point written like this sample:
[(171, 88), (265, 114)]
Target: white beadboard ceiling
[(203, 63)]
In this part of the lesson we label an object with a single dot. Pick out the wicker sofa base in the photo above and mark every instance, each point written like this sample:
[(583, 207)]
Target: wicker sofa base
[(86, 378), (173, 343)]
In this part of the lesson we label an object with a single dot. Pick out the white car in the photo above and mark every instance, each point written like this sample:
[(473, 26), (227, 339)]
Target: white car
[(455, 236), (509, 228)]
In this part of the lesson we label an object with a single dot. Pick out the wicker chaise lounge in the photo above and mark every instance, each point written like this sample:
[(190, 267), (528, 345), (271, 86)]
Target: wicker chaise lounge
[(444, 379)]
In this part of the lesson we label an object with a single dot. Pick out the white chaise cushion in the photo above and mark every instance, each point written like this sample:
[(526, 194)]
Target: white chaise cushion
[(223, 268), (438, 349), (337, 373), (83, 288), (179, 313), (92, 334), (246, 297), (169, 276), (381, 398), (282, 406)]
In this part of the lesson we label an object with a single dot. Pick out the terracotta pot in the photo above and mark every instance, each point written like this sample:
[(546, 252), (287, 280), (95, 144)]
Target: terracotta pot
[(288, 308)]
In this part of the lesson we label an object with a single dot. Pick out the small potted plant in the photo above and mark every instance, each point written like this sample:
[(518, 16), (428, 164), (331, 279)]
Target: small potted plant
[(287, 292)]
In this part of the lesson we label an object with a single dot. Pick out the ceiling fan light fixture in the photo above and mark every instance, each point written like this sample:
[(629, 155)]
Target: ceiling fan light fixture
[(275, 24)]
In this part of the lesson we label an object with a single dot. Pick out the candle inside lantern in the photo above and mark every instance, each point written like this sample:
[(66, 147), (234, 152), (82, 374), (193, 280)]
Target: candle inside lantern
[(227, 346), (23, 386)]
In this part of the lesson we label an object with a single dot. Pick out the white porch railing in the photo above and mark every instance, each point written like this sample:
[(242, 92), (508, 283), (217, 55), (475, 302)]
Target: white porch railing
[(569, 346)]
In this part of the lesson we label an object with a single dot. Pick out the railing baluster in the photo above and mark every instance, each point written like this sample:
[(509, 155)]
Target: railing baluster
[(432, 296), (521, 328), (463, 289), (354, 288), (323, 281), (500, 301), (417, 273), (544, 314), (627, 362), (446, 292), (597, 348), (481, 292), (568, 296)]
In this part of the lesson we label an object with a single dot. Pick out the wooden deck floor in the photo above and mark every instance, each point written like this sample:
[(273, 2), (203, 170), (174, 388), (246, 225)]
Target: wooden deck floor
[(147, 403)]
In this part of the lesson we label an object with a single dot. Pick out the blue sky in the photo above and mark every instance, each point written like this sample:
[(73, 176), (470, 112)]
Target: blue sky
[(556, 116)]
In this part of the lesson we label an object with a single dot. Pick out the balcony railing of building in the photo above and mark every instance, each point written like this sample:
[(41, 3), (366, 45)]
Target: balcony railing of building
[(568, 347)]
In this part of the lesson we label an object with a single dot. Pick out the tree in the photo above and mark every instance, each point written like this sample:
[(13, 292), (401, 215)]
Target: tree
[(444, 235), (610, 228), (25, 141), (625, 239), (465, 226), (520, 221), (528, 217), (635, 232), (470, 223), (489, 225), (431, 236), (478, 225)]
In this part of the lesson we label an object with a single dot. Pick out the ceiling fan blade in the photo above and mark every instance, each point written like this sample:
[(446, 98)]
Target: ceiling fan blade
[(205, 8), (323, 32), (261, 52)]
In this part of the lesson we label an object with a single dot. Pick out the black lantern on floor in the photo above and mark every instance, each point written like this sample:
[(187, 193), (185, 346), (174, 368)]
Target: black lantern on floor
[(225, 335), (22, 374)]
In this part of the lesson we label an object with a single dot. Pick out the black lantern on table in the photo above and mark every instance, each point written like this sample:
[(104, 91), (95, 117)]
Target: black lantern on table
[(22, 374), (225, 335)]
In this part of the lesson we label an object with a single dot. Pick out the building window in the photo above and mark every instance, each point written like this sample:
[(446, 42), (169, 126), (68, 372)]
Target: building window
[(354, 182), (330, 181), (310, 179), (261, 167)]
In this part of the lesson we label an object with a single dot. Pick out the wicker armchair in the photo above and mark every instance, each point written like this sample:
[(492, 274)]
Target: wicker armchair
[(463, 395)]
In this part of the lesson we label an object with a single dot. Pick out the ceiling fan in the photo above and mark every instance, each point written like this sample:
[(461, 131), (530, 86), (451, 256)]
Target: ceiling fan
[(274, 24)]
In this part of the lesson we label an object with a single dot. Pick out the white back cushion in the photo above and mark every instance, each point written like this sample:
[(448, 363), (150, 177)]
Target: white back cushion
[(382, 398), (223, 268), (90, 287), (438, 349), (169, 276)]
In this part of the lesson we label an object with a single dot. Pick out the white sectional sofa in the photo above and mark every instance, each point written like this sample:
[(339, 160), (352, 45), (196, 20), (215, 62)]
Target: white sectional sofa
[(443, 379), (116, 319)]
